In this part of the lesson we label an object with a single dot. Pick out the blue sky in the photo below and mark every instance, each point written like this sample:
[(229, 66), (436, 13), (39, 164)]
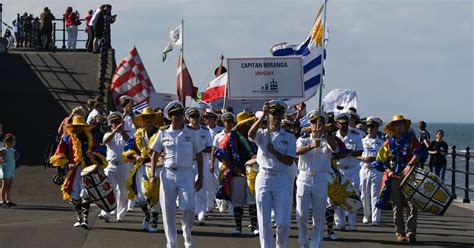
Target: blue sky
[(413, 57)]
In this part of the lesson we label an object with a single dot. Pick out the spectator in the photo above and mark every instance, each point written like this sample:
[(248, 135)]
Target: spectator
[(77, 111), (46, 28), (15, 31), (7, 172), (90, 105), (438, 150), (72, 21), (97, 23), (92, 29), (90, 35), (98, 109), (424, 139), (108, 19)]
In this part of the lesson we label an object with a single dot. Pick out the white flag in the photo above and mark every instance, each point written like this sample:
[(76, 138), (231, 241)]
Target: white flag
[(175, 40), (340, 97)]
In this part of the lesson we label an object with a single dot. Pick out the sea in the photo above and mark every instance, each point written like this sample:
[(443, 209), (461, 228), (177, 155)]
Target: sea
[(461, 135)]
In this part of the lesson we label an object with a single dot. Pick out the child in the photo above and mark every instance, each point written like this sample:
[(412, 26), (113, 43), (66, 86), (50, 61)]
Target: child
[(7, 172)]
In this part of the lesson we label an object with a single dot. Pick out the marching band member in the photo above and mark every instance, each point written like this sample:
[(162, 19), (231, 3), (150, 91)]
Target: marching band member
[(210, 118), (397, 156), (314, 163), (349, 167), (77, 150), (276, 152), (179, 145), (116, 170), (137, 152), (370, 179), (193, 115)]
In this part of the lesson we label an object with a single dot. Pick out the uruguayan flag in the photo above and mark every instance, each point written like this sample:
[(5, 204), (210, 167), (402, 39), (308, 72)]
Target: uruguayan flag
[(312, 52)]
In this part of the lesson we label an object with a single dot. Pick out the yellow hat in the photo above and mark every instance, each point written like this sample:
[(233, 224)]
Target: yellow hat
[(157, 118), (242, 116), (78, 121), (388, 128)]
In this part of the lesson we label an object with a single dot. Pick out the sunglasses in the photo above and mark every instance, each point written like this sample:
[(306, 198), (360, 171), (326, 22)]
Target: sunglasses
[(316, 120), (176, 113), (372, 126), (194, 116)]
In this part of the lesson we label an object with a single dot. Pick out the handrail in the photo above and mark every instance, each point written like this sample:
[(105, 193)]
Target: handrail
[(467, 156)]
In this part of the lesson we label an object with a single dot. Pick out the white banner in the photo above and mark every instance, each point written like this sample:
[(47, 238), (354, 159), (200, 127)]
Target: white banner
[(239, 105), (161, 99), (265, 78)]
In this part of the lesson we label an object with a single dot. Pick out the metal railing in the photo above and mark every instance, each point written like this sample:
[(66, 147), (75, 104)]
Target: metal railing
[(466, 173)]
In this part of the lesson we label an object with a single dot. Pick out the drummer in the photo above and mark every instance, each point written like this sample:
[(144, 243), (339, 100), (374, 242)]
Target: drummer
[(137, 152), (370, 179), (77, 150), (397, 155), (179, 145), (276, 152), (349, 167), (117, 169), (314, 163)]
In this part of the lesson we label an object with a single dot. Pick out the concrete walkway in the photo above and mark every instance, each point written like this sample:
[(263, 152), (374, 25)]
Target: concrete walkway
[(43, 220)]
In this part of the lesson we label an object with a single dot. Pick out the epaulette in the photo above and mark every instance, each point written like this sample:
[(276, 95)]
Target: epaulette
[(189, 126), (204, 127), (354, 132), (164, 127)]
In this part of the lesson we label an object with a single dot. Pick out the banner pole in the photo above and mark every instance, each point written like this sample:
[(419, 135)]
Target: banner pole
[(323, 59), (183, 98)]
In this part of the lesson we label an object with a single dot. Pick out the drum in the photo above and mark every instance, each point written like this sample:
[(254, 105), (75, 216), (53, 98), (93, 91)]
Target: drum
[(152, 192), (426, 191), (341, 191), (99, 188), (251, 169)]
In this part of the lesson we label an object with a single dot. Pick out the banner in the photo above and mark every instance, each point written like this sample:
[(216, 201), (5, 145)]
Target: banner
[(265, 78), (239, 105), (160, 100)]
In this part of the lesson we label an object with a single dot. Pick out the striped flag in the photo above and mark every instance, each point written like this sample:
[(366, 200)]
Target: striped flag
[(184, 82), (312, 52), (131, 79), (216, 89)]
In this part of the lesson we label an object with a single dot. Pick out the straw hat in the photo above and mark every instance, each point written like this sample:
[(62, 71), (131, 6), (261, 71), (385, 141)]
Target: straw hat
[(157, 118), (389, 127), (243, 116), (78, 121)]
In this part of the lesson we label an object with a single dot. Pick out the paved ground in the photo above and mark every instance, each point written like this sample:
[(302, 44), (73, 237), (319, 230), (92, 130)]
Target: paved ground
[(43, 220)]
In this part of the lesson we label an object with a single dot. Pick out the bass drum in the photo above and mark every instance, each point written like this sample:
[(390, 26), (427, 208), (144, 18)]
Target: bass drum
[(99, 188), (251, 171), (341, 191)]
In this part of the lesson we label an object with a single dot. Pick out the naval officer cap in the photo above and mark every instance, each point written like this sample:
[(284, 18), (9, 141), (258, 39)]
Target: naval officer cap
[(374, 121), (125, 98), (210, 113), (342, 118), (317, 114), (174, 107), (192, 111), (277, 106)]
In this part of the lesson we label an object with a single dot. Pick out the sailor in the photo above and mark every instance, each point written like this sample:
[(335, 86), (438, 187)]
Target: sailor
[(193, 116), (349, 167), (116, 170), (370, 179), (137, 152), (276, 152), (77, 150), (314, 163), (179, 145), (212, 184)]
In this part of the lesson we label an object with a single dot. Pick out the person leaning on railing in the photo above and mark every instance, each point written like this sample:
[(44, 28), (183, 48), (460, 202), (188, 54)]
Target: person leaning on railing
[(46, 28), (72, 21)]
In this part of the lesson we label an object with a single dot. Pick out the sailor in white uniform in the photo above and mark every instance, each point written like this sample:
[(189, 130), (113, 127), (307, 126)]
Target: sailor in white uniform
[(179, 145), (276, 153)]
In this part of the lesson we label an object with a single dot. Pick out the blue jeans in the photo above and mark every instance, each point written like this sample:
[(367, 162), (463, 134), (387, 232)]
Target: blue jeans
[(440, 170)]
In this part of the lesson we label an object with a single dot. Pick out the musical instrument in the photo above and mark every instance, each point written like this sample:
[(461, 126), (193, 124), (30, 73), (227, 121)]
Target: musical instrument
[(99, 188), (341, 191), (426, 191), (251, 168)]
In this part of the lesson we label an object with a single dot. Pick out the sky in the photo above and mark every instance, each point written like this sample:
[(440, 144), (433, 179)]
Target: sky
[(410, 57)]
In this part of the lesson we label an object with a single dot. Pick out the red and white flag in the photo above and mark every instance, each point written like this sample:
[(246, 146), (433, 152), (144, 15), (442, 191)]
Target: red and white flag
[(131, 79), (216, 89), (184, 82)]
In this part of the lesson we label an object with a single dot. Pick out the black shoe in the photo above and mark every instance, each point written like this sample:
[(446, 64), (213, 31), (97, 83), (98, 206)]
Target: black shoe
[(11, 204)]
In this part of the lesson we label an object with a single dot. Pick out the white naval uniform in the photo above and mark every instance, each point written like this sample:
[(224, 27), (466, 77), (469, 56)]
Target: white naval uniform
[(177, 180), (213, 182), (272, 186), (349, 167), (370, 180), (312, 189), (117, 172), (201, 196)]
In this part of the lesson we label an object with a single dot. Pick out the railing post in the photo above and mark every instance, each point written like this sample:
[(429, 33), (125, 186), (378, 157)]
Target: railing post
[(466, 180), (453, 172), (64, 33), (54, 36)]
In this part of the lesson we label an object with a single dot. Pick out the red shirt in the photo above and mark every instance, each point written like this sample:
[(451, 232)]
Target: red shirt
[(69, 19)]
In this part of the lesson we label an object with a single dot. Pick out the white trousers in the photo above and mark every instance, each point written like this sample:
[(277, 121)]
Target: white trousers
[(179, 185), (311, 190), (201, 198), (71, 36), (131, 203), (78, 191), (117, 175), (340, 214), (272, 191), (370, 184), (212, 185)]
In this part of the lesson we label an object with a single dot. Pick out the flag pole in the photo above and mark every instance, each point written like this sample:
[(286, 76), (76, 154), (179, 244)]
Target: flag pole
[(183, 97), (225, 90), (323, 58)]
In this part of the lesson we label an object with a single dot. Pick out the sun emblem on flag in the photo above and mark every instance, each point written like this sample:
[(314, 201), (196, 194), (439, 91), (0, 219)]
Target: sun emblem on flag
[(317, 33), (340, 192)]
